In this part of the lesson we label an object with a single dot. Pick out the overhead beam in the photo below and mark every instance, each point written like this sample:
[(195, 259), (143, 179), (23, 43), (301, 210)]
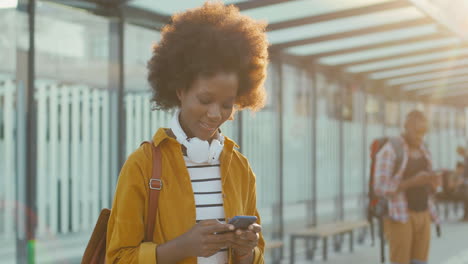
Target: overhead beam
[(434, 79), (143, 17), (446, 17), (251, 4), (134, 15), (87, 5), (458, 101), (380, 45), (453, 91), (407, 66), (338, 15), (403, 55), (441, 70), (353, 33), (433, 87)]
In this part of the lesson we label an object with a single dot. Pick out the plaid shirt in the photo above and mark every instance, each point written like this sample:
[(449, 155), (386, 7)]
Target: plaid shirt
[(386, 184)]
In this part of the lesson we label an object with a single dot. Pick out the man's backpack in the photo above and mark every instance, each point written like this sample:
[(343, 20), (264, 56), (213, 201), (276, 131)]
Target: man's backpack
[(95, 252), (377, 207)]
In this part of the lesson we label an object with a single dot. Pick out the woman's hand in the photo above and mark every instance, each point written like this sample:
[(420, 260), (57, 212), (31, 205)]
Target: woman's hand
[(204, 239), (244, 241)]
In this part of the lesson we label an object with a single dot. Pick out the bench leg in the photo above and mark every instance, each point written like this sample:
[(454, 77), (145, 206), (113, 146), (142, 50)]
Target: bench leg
[(446, 210), (362, 235), (310, 248), (337, 242), (291, 249), (351, 241), (325, 248)]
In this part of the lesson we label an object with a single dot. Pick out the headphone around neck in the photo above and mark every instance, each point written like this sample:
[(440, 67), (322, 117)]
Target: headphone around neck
[(198, 151)]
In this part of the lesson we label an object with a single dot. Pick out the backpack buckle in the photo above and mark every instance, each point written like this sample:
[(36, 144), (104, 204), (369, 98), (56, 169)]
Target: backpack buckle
[(157, 186)]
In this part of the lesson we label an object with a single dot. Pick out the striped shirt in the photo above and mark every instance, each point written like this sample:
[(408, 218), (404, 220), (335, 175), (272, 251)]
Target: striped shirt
[(206, 185)]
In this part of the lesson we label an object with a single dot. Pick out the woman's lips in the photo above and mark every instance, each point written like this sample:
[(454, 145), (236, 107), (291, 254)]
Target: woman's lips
[(210, 128)]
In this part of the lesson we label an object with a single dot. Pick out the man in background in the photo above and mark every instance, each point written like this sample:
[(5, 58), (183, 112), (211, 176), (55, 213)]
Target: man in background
[(409, 192)]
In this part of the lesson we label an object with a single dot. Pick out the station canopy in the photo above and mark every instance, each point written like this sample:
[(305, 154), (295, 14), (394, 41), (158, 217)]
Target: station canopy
[(413, 48)]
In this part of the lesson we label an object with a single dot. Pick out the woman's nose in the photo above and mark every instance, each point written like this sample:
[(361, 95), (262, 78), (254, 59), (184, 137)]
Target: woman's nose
[(214, 112)]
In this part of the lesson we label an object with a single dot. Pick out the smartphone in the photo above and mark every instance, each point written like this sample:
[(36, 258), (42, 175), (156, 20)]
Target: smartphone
[(242, 221)]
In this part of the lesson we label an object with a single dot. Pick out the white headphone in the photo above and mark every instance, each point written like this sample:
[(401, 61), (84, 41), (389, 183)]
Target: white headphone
[(198, 151)]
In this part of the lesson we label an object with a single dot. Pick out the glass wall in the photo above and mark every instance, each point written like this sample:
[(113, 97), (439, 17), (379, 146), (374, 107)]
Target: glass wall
[(14, 30), (73, 125), (260, 144), (374, 122), (461, 132), (433, 138), (327, 151), (354, 180), (297, 145), (444, 133), (392, 118), (140, 122)]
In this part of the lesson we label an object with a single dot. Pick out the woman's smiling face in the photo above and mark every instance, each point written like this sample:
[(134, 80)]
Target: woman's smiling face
[(207, 104)]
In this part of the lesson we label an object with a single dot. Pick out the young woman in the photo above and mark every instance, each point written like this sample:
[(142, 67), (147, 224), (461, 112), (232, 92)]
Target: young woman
[(210, 62)]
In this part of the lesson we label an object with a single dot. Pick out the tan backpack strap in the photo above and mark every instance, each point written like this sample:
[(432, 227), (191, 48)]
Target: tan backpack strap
[(155, 185)]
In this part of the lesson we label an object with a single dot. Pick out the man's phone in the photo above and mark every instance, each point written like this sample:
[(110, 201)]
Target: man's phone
[(242, 221)]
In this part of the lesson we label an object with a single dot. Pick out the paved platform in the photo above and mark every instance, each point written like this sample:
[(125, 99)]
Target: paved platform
[(450, 248)]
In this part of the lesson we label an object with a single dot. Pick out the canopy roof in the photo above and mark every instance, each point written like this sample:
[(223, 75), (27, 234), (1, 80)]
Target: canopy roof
[(405, 47)]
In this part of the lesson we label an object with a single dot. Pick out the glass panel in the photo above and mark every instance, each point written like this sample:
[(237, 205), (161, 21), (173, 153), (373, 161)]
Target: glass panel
[(432, 138), (394, 50), (443, 134), (327, 151), (452, 139), (392, 114), (297, 134), (375, 125), (274, 13), (260, 138), (12, 23), (343, 25), (141, 122), (401, 62), (461, 124), (72, 99), (167, 7), (368, 39), (353, 147), (297, 9)]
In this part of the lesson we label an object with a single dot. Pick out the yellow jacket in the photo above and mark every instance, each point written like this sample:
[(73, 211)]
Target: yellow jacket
[(176, 212)]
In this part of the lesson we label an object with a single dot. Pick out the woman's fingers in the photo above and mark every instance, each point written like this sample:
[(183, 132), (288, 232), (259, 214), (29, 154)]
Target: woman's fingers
[(255, 228)]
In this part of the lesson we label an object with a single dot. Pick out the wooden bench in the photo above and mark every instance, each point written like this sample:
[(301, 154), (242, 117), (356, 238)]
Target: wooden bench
[(275, 247), (324, 232), (450, 206)]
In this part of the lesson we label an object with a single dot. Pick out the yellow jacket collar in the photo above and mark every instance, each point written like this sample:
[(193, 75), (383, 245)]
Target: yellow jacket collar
[(162, 135)]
